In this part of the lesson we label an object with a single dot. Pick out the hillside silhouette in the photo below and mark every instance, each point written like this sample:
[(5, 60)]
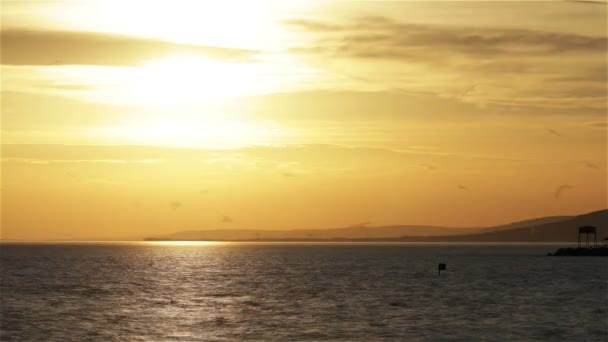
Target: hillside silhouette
[(557, 231), (545, 229)]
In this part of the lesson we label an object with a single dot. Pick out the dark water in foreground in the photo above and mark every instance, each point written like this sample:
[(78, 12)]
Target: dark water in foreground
[(290, 292)]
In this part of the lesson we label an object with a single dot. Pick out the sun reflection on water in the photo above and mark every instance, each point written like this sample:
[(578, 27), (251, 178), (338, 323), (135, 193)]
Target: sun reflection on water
[(185, 243)]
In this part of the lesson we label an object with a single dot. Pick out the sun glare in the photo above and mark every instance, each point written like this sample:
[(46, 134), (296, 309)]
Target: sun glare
[(188, 80), (185, 243), (253, 24), (182, 81)]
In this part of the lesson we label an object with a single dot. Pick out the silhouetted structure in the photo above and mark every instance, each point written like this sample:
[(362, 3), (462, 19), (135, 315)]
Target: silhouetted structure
[(440, 268), (587, 230), (590, 248)]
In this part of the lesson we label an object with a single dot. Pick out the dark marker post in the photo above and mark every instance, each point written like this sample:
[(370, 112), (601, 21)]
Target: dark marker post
[(440, 268)]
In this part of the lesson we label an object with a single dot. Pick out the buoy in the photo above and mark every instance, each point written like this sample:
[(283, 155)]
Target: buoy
[(441, 267)]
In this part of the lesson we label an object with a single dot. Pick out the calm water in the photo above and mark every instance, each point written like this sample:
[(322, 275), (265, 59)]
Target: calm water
[(290, 292)]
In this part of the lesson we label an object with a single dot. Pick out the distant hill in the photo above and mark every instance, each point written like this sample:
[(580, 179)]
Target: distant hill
[(531, 222), (553, 231), (320, 234), (547, 229)]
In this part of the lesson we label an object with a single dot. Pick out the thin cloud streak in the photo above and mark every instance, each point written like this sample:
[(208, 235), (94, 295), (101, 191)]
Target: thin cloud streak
[(51, 48), (381, 37), (589, 2)]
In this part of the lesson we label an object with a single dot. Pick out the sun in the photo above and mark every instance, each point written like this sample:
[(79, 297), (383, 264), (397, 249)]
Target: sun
[(186, 81), (191, 99), (180, 80), (181, 102), (180, 96)]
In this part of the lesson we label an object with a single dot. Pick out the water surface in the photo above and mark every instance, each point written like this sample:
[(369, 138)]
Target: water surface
[(300, 292)]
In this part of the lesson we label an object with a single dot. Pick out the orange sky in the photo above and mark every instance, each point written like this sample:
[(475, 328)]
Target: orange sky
[(134, 118)]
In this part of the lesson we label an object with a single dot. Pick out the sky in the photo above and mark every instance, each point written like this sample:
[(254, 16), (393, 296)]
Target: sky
[(136, 118)]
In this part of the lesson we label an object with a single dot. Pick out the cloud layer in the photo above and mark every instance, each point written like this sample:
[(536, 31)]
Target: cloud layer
[(34, 47), (380, 37), (512, 68)]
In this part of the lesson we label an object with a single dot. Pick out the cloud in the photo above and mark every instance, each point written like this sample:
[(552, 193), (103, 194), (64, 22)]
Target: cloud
[(343, 105), (116, 154), (544, 70), (227, 219), (288, 174), (80, 161), (314, 25), (317, 155), (383, 38), (31, 47), (589, 2), (599, 124), (560, 190), (175, 205)]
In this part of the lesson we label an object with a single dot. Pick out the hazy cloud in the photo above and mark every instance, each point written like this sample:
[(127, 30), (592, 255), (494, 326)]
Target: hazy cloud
[(589, 2), (434, 56), (175, 205), (88, 161), (30, 47), (314, 25), (380, 37), (599, 124), (360, 105), (463, 187), (313, 154), (227, 219)]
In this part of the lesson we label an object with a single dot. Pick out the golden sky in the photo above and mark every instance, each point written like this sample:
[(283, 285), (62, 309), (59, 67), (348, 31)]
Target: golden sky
[(132, 118)]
